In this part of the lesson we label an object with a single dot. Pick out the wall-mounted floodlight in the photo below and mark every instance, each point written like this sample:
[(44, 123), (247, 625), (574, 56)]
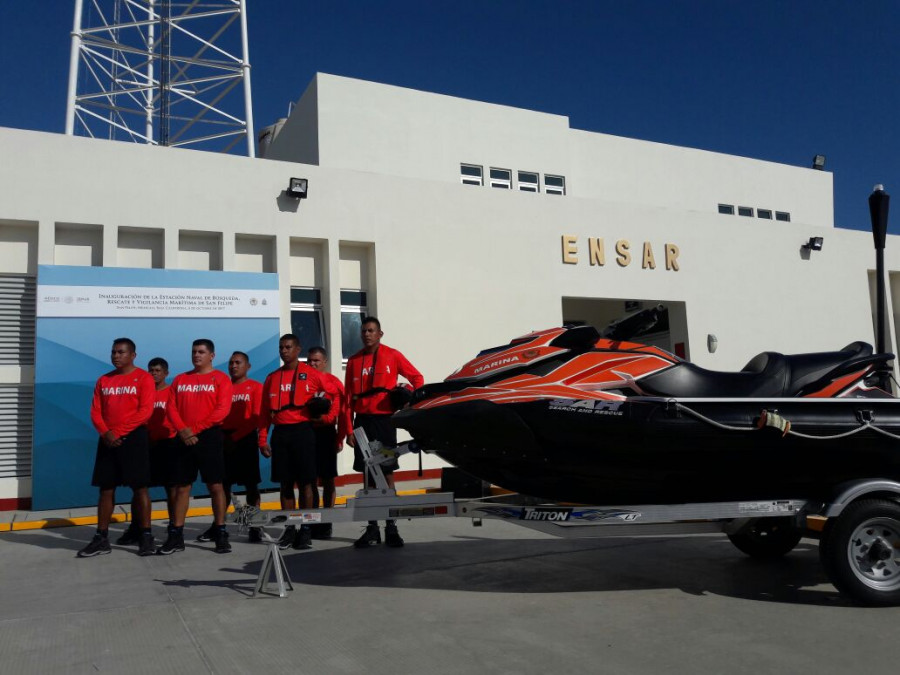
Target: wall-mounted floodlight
[(814, 244), (297, 188), (819, 162), (712, 343)]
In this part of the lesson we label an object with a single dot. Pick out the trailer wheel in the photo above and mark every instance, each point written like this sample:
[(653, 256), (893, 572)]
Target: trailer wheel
[(860, 552), (767, 538)]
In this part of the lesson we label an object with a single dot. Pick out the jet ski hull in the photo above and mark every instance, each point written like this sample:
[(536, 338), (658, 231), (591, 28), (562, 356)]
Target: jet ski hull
[(652, 450)]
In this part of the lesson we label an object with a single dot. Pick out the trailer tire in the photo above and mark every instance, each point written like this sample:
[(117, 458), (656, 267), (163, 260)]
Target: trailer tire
[(767, 538), (860, 551)]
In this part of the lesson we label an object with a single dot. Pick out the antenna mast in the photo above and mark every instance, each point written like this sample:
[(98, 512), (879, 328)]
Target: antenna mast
[(161, 72)]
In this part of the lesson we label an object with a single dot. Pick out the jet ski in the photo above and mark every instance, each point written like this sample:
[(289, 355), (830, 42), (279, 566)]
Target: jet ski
[(568, 414)]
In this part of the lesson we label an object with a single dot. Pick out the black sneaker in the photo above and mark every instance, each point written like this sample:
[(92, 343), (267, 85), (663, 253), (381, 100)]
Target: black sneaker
[(99, 545), (130, 537), (209, 534), (303, 539), (222, 545), (371, 537), (392, 538), (173, 544), (321, 531), (287, 537), (254, 536), (147, 544)]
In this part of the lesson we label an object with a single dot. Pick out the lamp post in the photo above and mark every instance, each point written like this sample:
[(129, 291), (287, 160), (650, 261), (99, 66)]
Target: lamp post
[(879, 205)]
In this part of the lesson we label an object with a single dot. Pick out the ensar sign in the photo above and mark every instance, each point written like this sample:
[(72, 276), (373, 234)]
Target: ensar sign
[(597, 253)]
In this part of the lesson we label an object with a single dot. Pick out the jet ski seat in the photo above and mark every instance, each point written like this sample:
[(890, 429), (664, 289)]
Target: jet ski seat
[(767, 375)]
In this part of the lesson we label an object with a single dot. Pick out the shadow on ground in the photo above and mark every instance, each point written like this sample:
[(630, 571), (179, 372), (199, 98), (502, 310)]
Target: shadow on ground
[(697, 566)]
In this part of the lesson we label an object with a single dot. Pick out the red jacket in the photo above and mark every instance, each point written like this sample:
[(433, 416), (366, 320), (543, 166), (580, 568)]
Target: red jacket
[(285, 393), (122, 402), (199, 400), (366, 372), (244, 416), (158, 425), (334, 391)]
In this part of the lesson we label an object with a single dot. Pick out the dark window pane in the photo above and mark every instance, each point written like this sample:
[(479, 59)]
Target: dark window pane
[(528, 177), (357, 298), (764, 213), (307, 325), (470, 170), (555, 181), (502, 174), (310, 296), (727, 209), (351, 327), (781, 215), (745, 211)]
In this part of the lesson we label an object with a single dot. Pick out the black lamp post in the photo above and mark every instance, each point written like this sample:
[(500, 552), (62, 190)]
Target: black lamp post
[(879, 205)]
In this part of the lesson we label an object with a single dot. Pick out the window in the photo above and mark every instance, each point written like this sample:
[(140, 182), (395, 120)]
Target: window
[(353, 311), (764, 213), (746, 211), (528, 182), (726, 209), (501, 178), (783, 216), (470, 174), (554, 185), (306, 318)]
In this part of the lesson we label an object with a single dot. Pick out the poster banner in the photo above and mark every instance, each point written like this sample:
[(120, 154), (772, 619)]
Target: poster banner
[(81, 310)]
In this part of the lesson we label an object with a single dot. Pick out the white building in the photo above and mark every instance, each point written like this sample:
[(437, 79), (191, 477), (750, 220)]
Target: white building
[(459, 224)]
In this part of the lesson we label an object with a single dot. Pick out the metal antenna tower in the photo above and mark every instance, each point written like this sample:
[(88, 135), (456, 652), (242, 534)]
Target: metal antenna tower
[(161, 72)]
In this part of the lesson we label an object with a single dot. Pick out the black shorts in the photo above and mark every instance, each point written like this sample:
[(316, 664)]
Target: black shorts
[(164, 462), (377, 428), (127, 464), (293, 454), (242, 460), (206, 457), (326, 451)]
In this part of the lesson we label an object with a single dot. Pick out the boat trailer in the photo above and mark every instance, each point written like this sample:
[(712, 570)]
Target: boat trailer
[(859, 543)]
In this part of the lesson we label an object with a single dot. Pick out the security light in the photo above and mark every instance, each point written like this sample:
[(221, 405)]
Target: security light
[(819, 162), (297, 188), (814, 244)]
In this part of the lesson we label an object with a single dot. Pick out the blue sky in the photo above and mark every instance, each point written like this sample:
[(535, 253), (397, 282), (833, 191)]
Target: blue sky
[(774, 80)]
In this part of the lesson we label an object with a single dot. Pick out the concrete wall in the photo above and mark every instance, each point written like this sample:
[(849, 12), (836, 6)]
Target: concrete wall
[(403, 132)]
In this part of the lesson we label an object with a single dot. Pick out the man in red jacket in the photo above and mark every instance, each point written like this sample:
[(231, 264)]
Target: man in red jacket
[(122, 404), (241, 429), (287, 393), (371, 375), (329, 440), (162, 449), (198, 402)]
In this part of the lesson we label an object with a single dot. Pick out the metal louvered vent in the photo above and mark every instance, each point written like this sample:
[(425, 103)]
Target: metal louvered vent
[(17, 319), (16, 414)]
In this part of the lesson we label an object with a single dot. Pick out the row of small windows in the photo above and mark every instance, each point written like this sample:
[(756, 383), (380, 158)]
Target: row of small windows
[(749, 212), (526, 181)]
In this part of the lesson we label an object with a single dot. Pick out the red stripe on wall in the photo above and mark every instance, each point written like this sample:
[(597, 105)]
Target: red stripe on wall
[(399, 476), (15, 504)]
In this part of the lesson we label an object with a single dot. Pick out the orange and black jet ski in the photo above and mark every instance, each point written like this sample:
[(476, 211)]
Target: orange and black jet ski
[(567, 414)]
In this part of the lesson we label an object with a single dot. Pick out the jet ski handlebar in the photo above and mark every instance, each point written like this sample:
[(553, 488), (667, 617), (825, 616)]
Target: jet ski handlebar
[(629, 326)]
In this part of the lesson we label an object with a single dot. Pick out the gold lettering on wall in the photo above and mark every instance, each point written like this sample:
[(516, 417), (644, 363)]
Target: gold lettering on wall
[(623, 257), (598, 256), (569, 249), (672, 257), (649, 262), (597, 253)]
